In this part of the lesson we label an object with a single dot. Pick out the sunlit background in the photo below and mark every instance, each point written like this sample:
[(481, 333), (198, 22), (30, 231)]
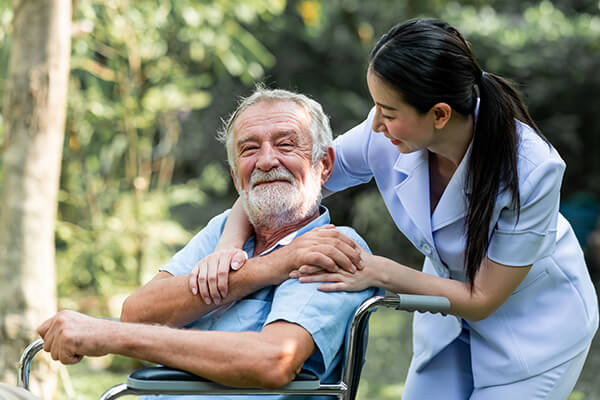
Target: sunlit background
[(150, 81)]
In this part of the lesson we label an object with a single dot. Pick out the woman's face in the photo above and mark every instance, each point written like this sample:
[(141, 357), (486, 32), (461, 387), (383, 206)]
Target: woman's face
[(401, 123)]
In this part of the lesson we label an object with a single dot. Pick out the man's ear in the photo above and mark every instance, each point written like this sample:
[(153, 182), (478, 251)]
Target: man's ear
[(441, 115), (327, 164), (235, 182)]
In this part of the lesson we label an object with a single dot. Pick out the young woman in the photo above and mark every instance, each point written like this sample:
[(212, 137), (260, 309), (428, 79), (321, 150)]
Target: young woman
[(472, 183)]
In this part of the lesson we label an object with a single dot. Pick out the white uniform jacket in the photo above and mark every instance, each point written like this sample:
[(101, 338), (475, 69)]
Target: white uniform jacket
[(553, 314)]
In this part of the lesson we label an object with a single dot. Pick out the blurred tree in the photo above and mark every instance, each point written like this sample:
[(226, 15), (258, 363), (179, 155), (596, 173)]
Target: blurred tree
[(34, 116), (140, 71)]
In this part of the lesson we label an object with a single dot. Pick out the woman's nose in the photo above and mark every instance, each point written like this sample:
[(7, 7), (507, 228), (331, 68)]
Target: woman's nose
[(378, 125)]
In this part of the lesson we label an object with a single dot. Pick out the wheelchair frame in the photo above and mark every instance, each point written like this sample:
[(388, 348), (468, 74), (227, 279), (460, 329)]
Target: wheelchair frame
[(168, 381)]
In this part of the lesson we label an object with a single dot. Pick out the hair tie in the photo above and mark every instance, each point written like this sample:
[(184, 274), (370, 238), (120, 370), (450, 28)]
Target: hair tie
[(483, 74)]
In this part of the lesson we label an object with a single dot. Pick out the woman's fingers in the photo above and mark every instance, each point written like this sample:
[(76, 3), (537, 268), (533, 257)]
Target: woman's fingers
[(310, 270), (239, 259), (327, 277), (222, 277), (193, 280), (332, 287), (210, 276), (203, 267), (211, 279)]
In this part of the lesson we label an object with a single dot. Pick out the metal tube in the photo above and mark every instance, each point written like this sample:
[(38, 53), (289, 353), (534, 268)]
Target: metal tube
[(361, 312), (26, 357), (116, 391), (325, 390)]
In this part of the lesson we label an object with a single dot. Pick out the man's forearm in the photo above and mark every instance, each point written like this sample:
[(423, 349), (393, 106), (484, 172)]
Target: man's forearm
[(168, 300), (254, 359)]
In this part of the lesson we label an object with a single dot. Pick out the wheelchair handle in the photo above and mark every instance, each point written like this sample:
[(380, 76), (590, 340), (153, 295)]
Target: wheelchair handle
[(28, 354), (413, 302)]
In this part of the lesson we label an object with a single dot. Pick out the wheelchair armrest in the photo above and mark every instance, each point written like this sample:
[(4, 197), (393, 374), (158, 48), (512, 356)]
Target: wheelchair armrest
[(165, 379)]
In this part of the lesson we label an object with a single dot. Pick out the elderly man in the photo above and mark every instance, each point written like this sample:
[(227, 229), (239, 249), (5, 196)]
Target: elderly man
[(269, 326)]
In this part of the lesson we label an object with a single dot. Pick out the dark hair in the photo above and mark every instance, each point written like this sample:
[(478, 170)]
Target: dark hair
[(428, 61)]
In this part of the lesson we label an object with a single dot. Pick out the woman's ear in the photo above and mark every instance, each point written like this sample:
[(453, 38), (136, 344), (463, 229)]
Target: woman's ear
[(441, 115), (327, 162)]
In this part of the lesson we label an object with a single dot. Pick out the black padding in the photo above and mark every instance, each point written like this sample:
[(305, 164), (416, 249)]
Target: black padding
[(165, 374), (171, 374)]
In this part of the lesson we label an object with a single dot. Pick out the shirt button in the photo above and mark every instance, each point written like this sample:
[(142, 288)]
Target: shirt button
[(426, 249)]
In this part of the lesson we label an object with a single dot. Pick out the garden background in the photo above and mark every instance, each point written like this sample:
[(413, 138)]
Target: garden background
[(150, 81)]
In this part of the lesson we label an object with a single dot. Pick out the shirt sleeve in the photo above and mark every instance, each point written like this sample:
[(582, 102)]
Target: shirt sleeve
[(524, 238), (351, 149), (201, 245), (325, 315)]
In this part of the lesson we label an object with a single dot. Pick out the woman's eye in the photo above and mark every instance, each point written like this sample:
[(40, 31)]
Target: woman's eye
[(387, 116)]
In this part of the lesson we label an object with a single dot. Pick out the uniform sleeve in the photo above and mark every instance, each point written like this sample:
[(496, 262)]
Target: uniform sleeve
[(351, 166), (325, 315), (201, 245), (523, 240)]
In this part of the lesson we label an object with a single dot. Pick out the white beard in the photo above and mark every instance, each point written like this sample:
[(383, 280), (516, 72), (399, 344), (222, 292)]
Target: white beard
[(280, 203)]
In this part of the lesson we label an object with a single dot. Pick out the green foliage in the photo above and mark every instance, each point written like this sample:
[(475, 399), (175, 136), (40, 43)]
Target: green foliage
[(150, 80), (139, 69)]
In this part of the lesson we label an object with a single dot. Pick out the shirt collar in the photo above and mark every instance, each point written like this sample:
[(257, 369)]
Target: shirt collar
[(322, 219)]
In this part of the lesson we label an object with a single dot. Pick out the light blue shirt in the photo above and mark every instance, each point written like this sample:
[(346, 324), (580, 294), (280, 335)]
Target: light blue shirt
[(553, 314), (324, 315)]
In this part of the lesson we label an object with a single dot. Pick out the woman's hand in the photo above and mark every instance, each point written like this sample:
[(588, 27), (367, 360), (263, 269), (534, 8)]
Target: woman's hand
[(210, 276), (325, 248), (340, 280)]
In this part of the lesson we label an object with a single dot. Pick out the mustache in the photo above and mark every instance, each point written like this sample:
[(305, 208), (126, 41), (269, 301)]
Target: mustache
[(278, 174)]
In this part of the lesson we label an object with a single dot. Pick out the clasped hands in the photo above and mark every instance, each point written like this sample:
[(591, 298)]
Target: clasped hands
[(322, 255)]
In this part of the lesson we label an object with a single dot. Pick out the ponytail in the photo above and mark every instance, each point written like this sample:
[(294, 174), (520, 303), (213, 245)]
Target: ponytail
[(493, 164)]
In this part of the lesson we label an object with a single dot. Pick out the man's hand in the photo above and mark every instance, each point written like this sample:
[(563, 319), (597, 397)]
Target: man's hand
[(210, 276), (340, 280), (69, 335), (325, 248)]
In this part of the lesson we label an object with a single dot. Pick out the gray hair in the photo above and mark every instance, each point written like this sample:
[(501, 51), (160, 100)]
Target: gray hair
[(319, 127)]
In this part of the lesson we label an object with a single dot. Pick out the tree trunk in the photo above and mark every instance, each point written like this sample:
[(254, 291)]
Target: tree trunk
[(34, 119)]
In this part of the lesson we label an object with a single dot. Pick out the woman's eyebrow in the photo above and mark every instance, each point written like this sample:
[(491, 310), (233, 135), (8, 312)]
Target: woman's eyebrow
[(386, 106)]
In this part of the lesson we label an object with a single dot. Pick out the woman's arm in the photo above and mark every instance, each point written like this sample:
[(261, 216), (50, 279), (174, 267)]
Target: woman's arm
[(237, 228), (494, 283), (210, 277)]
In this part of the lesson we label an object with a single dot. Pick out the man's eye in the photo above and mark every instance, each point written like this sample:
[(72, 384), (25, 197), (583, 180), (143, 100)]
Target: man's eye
[(248, 149), (387, 116)]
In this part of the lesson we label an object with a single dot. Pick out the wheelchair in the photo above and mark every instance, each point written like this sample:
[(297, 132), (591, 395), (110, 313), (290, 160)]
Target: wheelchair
[(168, 381)]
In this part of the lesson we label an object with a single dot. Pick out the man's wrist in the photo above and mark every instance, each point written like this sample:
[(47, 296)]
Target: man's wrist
[(279, 264)]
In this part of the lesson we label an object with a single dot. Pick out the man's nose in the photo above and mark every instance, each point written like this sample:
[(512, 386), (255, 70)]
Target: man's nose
[(267, 158)]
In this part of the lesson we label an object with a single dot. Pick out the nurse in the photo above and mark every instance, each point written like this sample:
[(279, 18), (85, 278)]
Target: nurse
[(473, 184)]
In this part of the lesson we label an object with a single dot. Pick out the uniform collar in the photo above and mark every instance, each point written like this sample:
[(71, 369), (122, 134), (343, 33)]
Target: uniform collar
[(454, 202), (413, 192), (322, 219), (413, 189)]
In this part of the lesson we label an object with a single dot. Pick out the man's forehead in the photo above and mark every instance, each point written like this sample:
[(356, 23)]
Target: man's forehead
[(270, 117)]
